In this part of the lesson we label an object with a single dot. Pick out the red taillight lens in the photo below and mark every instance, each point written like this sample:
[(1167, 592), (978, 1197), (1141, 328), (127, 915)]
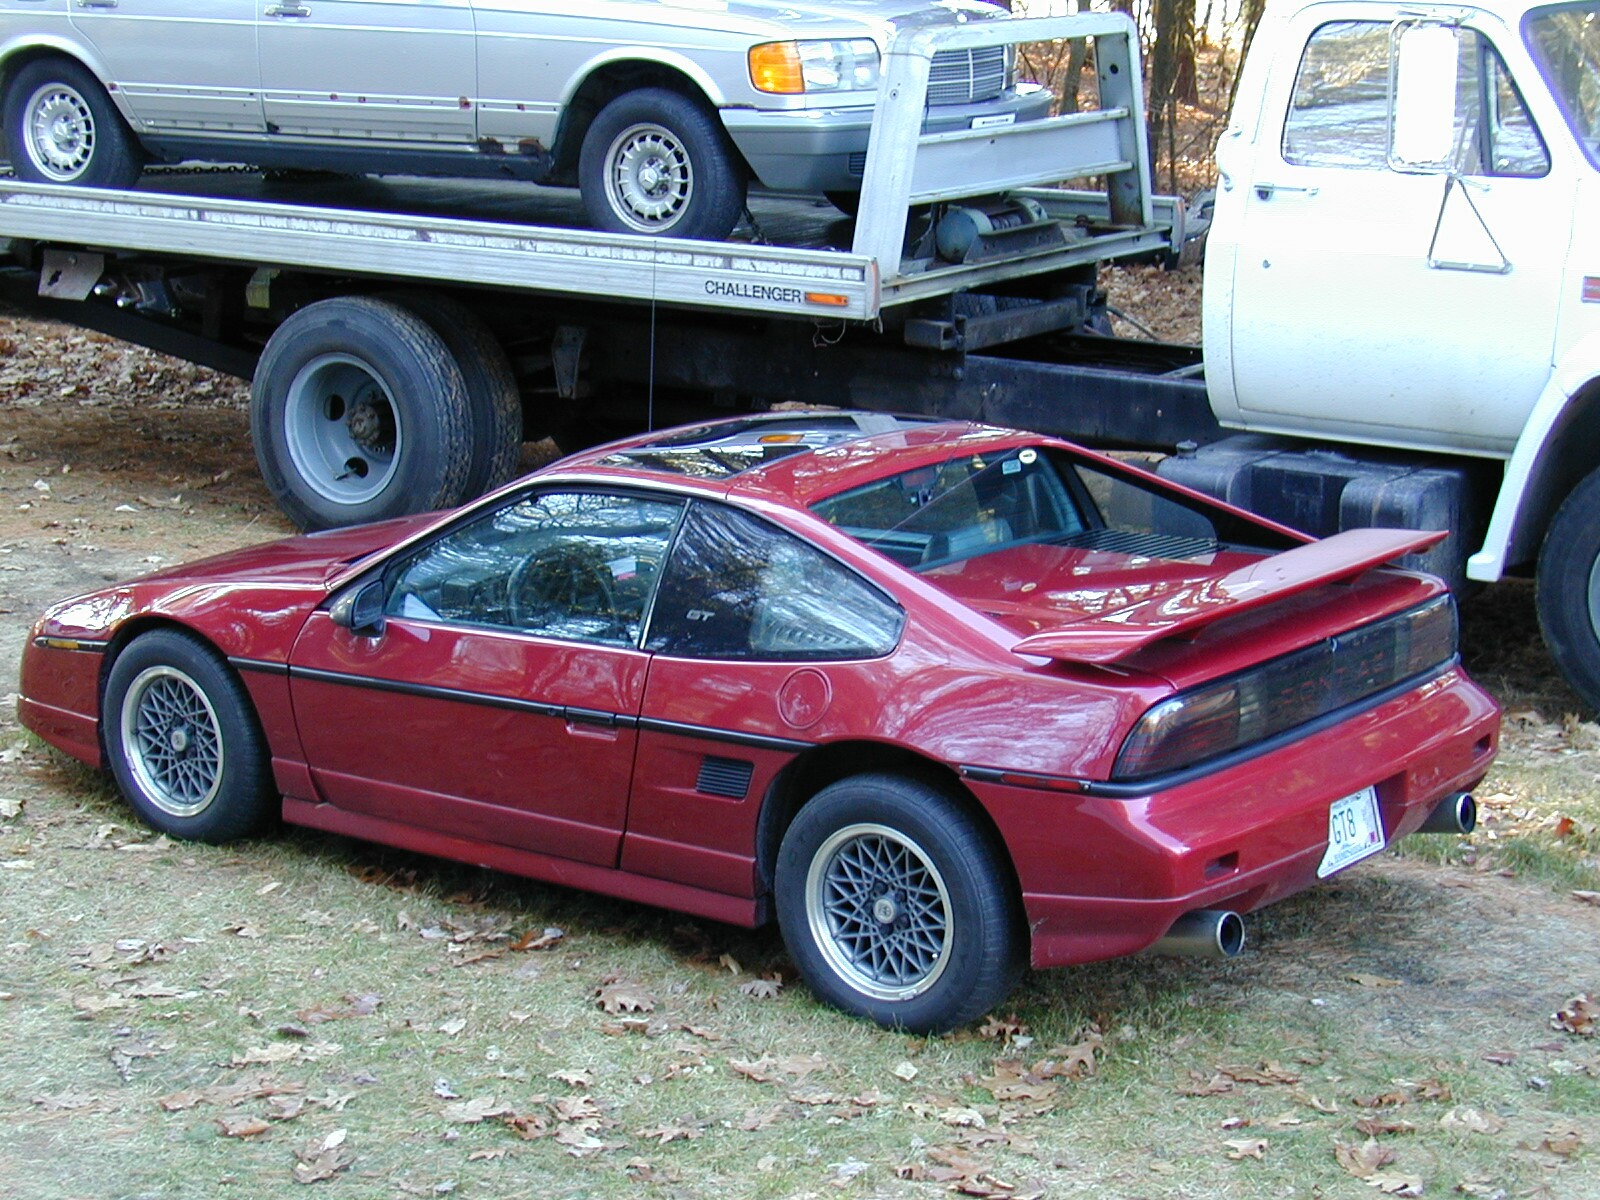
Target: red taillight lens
[(1277, 696)]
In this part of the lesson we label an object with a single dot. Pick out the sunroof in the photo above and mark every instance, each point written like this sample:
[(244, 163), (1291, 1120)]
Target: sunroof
[(725, 448)]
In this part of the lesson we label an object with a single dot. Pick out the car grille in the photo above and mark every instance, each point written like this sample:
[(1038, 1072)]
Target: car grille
[(962, 76)]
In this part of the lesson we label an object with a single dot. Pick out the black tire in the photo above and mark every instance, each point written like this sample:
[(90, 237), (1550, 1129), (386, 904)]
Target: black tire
[(1569, 589), (950, 952), (493, 398), (61, 127), (183, 740), (656, 162), (359, 412)]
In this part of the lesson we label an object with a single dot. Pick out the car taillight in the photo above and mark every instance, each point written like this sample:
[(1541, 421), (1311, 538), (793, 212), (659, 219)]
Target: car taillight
[(1210, 721)]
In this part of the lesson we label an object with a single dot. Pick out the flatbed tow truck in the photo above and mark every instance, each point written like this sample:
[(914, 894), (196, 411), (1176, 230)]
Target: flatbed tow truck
[(405, 336)]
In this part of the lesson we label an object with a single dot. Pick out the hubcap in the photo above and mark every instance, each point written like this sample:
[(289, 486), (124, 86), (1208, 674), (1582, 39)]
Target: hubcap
[(342, 429), (172, 741), (59, 132), (879, 911), (649, 178)]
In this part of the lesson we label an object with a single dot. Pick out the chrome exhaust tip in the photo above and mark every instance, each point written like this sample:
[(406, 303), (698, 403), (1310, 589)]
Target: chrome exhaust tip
[(1203, 933), (1457, 813)]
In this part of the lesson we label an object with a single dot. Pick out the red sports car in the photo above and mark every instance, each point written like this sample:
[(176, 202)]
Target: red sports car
[(942, 698)]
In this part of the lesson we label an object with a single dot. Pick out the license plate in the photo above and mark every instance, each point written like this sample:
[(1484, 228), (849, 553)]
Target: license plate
[(1354, 831), (994, 121)]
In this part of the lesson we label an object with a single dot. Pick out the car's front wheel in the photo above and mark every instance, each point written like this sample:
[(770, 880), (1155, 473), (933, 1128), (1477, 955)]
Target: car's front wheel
[(182, 739), (656, 162), (61, 127), (896, 904)]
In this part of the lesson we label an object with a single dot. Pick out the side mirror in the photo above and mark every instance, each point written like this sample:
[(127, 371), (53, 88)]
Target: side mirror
[(1423, 70), (360, 609)]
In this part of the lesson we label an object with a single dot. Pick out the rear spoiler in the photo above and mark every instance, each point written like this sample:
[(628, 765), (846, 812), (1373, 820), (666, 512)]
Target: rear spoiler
[(1112, 636)]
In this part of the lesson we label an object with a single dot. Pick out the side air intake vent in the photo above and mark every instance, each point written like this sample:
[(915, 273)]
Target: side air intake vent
[(728, 777)]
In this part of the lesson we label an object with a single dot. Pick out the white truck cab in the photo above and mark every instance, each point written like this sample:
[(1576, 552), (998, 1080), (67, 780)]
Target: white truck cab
[(1398, 260)]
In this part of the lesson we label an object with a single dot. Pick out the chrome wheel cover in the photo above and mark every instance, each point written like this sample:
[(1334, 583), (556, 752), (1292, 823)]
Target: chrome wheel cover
[(649, 178), (879, 911), (58, 132), (342, 429), (172, 741)]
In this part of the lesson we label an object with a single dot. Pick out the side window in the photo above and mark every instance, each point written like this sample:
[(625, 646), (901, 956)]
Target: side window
[(1497, 135), (739, 588), (573, 565), (1339, 114)]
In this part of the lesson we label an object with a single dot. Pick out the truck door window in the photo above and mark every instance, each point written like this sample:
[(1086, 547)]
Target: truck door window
[(1339, 113), (1565, 42)]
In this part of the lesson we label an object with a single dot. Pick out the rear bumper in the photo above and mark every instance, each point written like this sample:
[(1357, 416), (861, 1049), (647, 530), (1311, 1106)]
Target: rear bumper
[(824, 150), (1105, 877)]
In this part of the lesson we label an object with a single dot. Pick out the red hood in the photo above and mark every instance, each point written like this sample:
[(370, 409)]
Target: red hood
[(312, 558)]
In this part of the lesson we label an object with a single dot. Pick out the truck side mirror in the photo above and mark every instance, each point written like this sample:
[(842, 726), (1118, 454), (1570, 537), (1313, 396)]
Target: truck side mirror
[(1423, 69)]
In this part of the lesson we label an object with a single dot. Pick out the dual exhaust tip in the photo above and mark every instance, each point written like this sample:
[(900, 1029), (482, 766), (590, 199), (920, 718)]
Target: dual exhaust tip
[(1219, 933)]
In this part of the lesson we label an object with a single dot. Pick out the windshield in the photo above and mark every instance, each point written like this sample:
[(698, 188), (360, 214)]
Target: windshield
[(1565, 42)]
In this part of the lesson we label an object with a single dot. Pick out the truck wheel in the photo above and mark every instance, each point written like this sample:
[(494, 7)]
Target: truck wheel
[(61, 127), (359, 413), (896, 905), (494, 400), (1569, 589), (183, 741), (656, 162)]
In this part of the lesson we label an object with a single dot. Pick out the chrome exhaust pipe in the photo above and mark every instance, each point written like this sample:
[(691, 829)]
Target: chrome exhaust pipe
[(1204, 933), (1454, 814)]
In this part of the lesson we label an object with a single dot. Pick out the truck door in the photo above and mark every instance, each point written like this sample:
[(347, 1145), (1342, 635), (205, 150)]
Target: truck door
[(1400, 307), (370, 72), (182, 66)]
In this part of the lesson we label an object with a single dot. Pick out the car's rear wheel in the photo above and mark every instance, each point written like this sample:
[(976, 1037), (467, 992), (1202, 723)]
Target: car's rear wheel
[(897, 905), (61, 127), (359, 412), (656, 162), (183, 741)]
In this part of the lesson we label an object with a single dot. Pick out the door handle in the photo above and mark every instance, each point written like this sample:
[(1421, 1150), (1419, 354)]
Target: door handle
[(285, 10), (97, 3), (1266, 191)]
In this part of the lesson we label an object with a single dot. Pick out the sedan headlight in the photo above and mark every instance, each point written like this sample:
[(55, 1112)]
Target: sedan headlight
[(795, 68)]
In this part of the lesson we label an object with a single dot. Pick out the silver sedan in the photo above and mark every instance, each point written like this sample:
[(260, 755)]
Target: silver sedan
[(662, 112)]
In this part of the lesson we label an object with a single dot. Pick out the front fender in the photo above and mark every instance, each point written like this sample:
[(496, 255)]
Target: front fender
[(656, 56), (1538, 472)]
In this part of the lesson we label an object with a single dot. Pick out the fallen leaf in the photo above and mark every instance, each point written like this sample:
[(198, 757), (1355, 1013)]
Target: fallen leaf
[(1364, 1160), (242, 1127), (1242, 1148), (1391, 1184), (1472, 1120), (962, 1117), (578, 1143), (1199, 1085), (453, 1026), (1003, 1030), (730, 962), (680, 1130), (1577, 1015), (621, 996), (470, 1112), (580, 1079), (1268, 1074), (1012, 1081), (543, 939), (1560, 1139), (766, 988), (1374, 1126), (905, 1072), (1584, 896), (1501, 1058), (1372, 981), (322, 1158)]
